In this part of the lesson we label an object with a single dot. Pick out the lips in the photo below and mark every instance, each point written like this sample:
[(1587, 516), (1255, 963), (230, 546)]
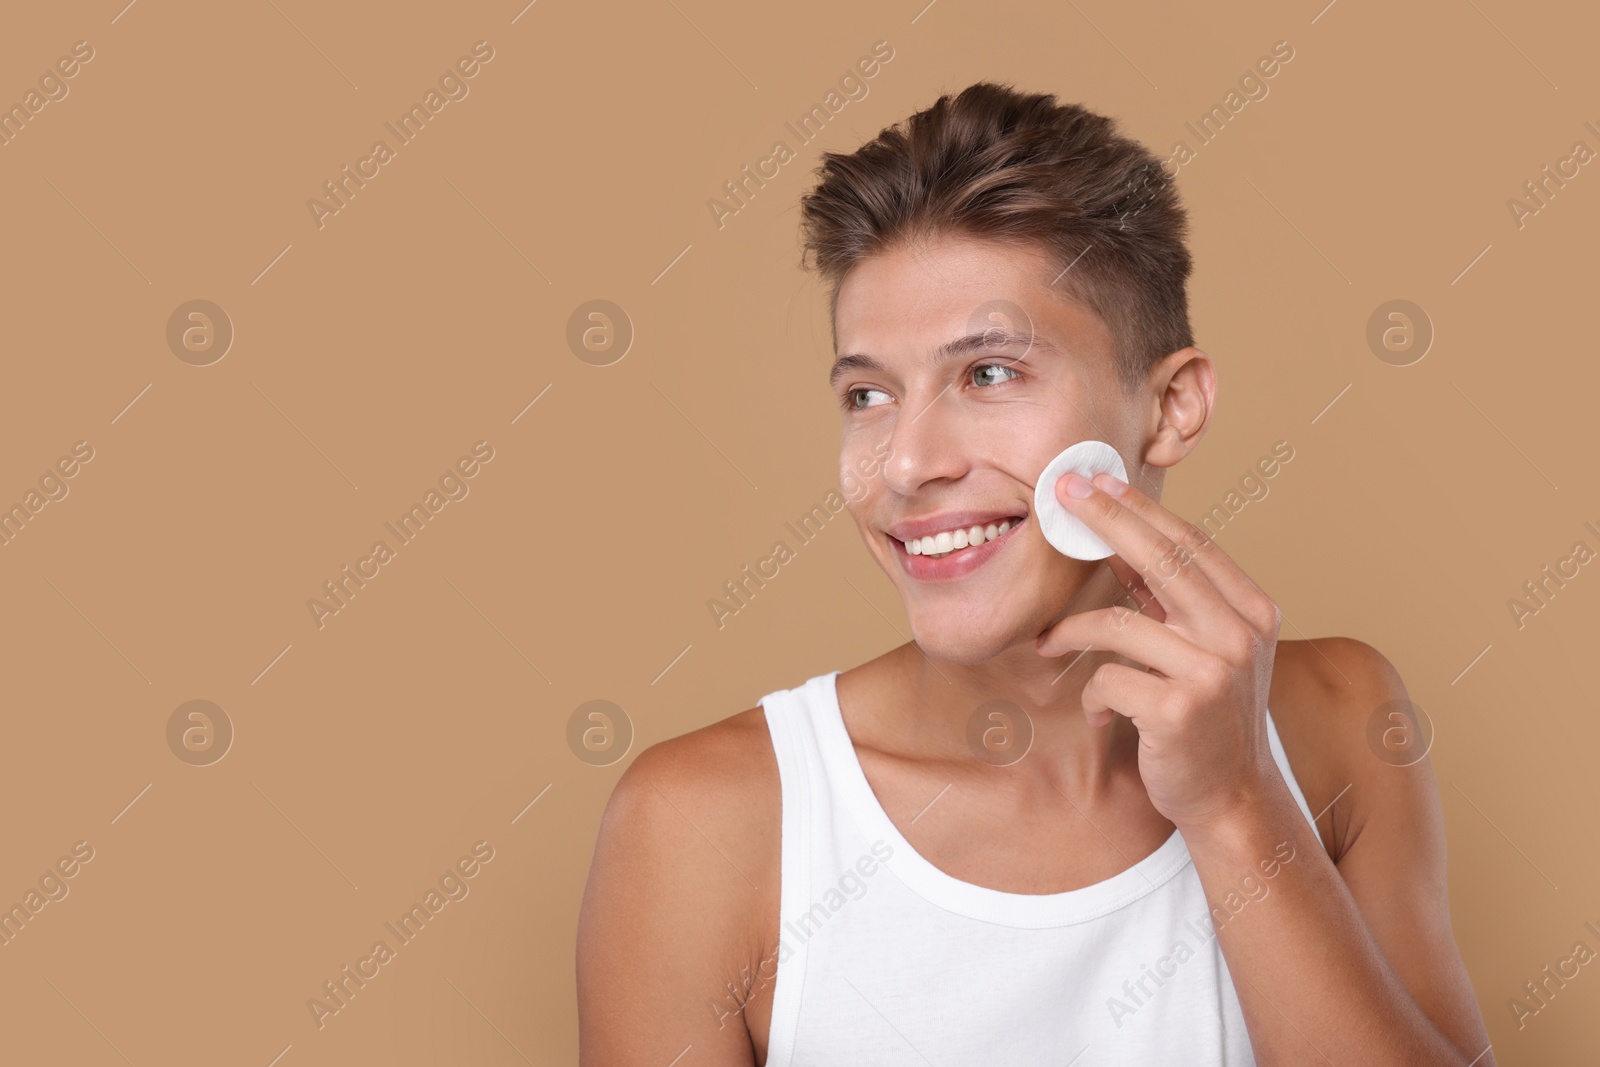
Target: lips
[(951, 521), (960, 540), (955, 564)]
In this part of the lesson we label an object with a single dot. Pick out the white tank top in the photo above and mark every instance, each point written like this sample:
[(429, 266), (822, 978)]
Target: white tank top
[(885, 959)]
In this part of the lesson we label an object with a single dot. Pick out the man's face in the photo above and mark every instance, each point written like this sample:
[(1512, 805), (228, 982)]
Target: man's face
[(935, 446)]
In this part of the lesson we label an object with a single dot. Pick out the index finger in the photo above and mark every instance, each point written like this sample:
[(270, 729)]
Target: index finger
[(1161, 551), (1192, 547)]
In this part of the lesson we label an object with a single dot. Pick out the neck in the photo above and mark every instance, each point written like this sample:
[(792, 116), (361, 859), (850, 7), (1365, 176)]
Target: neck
[(931, 704)]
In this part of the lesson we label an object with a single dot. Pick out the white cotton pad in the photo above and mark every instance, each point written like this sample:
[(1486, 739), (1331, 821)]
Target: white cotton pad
[(1059, 526)]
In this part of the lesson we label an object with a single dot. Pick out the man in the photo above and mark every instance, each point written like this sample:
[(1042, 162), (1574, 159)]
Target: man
[(1062, 824)]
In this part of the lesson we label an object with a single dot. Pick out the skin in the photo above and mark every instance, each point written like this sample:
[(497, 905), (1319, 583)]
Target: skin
[(1159, 725)]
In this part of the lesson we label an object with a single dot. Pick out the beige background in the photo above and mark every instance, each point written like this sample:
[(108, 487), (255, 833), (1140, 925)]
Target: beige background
[(432, 309)]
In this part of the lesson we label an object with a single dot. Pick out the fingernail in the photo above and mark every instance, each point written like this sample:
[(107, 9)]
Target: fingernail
[(1113, 485), (1078, 486)]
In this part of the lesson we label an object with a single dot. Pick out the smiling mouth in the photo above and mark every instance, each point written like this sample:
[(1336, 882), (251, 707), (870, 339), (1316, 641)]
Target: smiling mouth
[(950, 542)]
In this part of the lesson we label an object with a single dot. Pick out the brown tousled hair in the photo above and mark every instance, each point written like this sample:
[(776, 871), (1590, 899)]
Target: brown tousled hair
[(996, 163)]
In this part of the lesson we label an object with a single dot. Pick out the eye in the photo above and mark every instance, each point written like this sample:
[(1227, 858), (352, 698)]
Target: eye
[(982, 367), (849, 401)]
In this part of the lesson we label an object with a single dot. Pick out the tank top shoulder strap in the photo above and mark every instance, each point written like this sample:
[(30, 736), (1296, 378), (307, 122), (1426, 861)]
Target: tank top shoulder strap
[(1282, 759), (791, 720), (807, 807)]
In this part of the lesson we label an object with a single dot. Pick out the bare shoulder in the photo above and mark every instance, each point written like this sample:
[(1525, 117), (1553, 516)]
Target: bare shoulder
[(708, 802), (721, 777), (685, 870), (1325, 694), (1318, 684)]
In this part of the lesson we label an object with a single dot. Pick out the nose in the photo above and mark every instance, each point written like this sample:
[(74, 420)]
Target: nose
[(927, 445)]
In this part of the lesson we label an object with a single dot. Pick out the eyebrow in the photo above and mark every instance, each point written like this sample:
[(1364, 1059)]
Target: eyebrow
[(947, 351)]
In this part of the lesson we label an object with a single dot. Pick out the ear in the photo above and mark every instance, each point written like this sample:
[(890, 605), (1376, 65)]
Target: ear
[(1182, 390)]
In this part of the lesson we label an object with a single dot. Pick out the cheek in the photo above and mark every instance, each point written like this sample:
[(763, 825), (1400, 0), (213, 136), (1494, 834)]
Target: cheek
[(1025, 465), (864, 528), (851, 487), (1020, 439), (860, 470)]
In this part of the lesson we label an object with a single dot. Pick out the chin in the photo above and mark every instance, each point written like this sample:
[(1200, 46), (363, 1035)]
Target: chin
[(948, 641)]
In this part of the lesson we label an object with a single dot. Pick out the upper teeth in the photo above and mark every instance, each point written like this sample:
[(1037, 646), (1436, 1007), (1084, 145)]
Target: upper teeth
[(951, 540)]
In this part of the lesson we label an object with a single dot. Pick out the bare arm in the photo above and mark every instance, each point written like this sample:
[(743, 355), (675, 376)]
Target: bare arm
[(664, 934), (1353, 962)]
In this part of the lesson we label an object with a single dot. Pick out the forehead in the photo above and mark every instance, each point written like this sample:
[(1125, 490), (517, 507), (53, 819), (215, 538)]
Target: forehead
[(921, 294)]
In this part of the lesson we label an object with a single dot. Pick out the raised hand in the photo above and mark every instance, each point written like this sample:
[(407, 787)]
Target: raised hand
[(1202, 642)]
